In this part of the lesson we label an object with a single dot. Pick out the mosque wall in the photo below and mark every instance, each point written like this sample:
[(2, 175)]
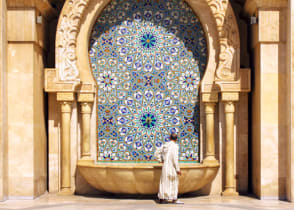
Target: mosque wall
[(23, 149)]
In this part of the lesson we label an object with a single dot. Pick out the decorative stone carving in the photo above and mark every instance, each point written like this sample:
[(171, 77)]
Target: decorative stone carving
[(210, 97), (68, 28), (65, 96), (228, 38), (229, 96), (73, 11), (85, 97)]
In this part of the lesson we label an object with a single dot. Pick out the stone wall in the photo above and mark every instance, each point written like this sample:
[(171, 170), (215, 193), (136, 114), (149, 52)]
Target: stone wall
[(3, 102)]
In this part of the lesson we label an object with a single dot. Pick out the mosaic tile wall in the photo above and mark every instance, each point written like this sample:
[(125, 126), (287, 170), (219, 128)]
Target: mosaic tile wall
[(148, 58)]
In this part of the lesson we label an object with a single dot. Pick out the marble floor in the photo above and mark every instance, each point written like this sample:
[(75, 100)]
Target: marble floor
[(55, 202)]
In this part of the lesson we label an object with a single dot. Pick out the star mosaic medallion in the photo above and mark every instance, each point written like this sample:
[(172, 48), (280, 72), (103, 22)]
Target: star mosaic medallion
[(148, 58)]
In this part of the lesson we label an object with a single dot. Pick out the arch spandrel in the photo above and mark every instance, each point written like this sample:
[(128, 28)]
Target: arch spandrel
[(216, 16)]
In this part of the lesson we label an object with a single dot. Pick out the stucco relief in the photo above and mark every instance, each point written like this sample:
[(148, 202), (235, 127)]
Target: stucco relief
[(228, 38), (70, 21), (67, 31)]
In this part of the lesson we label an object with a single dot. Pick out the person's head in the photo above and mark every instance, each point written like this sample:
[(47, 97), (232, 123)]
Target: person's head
[(173, 137)]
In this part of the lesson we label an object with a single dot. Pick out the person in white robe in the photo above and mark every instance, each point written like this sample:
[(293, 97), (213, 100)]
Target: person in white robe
[(169, 180)]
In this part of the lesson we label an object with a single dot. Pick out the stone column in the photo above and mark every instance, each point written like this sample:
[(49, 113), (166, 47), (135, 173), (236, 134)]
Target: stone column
[(66, 100), (290, 104), (209, 100), (3, 103), (86, 101), (230, 179)]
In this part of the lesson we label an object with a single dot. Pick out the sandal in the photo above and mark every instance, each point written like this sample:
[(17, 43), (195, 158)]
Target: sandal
[(163, 201), (177, 202)]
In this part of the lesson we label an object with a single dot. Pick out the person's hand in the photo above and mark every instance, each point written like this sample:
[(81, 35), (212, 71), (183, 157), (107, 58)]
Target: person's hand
[(179, 173)]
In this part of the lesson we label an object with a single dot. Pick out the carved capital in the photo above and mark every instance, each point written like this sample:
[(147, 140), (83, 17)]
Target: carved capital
[(209, 108), (230, 96), (229, 107), (86, 108), (210, 97), (66, 106), (65, 96), (85, 97)]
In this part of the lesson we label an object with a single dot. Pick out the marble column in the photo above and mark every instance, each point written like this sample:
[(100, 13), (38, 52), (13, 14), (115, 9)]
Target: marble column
[(65, 100), (230, 179), (209, 100), (86, 101)]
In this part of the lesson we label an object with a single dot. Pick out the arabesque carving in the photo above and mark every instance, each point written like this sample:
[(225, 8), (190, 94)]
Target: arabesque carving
[(228, 38), (67, 31), (73, 11)]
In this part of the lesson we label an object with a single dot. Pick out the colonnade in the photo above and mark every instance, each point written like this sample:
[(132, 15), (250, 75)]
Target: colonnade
[(209, 100)]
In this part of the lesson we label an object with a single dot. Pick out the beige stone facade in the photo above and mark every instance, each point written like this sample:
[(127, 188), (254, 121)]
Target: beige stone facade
[(48, 123)]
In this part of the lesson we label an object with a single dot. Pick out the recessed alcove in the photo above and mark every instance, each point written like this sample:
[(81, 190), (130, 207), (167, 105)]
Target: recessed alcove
[(125, 74)]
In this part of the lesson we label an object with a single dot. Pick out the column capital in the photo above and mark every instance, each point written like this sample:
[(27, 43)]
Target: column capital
[(65, 96), (230, 96), (85, 97), (86, 107), (209, 107), (43, 6), (209, 97), (229, 107), (251, 6), (65, 106)]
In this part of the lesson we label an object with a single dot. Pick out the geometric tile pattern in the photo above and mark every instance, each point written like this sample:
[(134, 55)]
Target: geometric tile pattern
[(148, 58)]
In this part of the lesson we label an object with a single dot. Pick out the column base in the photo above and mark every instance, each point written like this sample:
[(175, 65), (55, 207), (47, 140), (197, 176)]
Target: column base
[(230, 192), (86, 158), (66, 191), (86, 161), (210, 162)]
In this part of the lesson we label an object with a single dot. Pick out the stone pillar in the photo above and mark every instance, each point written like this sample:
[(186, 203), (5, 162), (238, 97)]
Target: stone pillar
[(269, 98), (209, 100), (26, 117), (290, 103), (86, 101), (3, 102), (65, 100), (230, 178)]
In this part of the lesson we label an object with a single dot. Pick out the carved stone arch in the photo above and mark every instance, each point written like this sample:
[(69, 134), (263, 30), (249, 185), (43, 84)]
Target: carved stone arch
[(229, 57), (218, 20), (73, 71)]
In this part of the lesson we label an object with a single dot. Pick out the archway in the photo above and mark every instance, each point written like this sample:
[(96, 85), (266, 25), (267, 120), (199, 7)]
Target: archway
[(73, 75)]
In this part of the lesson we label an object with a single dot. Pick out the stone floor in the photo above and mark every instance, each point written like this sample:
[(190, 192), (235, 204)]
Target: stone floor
[(55, 202)]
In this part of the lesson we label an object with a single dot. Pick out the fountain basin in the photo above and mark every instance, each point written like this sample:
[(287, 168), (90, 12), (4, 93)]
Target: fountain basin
[(143, 178)]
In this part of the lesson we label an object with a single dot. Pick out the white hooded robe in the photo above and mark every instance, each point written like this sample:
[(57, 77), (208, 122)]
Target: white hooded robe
[(169, 181)]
